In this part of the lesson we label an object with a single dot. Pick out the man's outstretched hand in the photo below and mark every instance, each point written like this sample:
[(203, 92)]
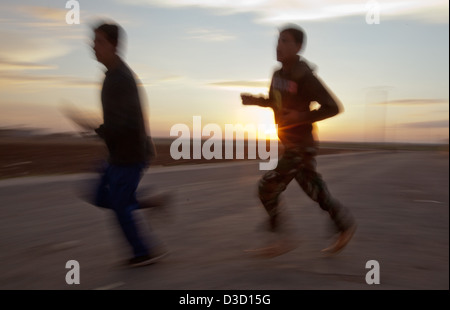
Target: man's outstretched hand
[(248, 99)]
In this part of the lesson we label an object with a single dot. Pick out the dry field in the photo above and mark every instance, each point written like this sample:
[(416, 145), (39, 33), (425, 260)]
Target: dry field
[(58, 154)]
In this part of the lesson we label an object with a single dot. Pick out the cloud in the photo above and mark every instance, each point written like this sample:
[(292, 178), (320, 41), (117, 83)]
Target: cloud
[(41, 21), (6, 65), (24, 47), (427, 124), (210, 35), (45, 13), (258, 83), (170, 78), (415, 102), (9, 80), (37, 18), (255, 87), (281, 11)]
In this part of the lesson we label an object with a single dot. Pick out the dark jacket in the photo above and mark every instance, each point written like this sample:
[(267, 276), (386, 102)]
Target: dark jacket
[(297, 89), (124, 129)]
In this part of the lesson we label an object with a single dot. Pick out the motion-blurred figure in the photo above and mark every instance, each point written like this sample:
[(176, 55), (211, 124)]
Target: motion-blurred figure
[(130, 148), (293, 89)]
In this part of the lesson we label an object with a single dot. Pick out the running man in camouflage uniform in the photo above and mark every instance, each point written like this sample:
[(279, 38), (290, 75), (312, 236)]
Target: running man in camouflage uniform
[(293, 89)]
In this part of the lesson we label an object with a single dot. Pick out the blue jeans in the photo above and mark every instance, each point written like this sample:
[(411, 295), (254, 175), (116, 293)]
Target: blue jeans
[(117, 191)]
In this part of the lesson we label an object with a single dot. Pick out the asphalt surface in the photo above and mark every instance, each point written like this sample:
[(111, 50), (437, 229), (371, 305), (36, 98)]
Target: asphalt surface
[(400, 201)]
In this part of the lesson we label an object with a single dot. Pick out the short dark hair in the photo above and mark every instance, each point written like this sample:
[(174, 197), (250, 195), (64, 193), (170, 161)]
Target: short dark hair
[(111, 31), (296, 32)]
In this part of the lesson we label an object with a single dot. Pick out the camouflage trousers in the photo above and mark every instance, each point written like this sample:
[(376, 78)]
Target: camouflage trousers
[(300, 163)]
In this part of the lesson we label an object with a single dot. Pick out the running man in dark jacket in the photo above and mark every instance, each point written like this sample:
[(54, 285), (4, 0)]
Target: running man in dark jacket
[(130, 148), (293, 89)]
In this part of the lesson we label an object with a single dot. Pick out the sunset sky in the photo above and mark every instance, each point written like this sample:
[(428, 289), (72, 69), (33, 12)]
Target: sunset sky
[(195, 57)]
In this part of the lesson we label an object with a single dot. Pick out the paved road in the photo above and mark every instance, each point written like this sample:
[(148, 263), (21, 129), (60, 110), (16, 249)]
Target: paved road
[(400, 199)]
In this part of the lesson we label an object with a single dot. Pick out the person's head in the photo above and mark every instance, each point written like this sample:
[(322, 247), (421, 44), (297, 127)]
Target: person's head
[(106, 42), (290, 41)]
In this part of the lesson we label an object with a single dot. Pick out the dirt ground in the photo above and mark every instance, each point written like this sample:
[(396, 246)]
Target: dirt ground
[(54, 155)]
